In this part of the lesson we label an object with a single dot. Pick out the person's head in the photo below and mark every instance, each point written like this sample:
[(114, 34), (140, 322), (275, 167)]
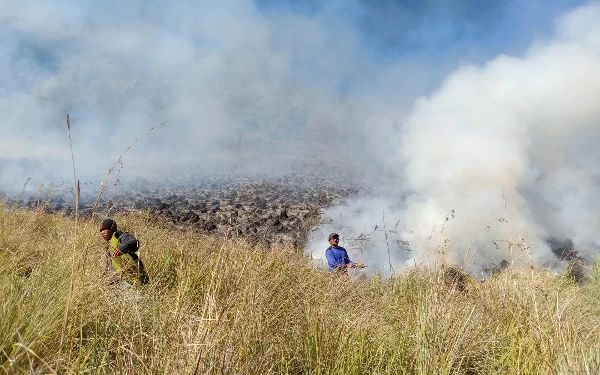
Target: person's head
[(107, 228), (334, 239)]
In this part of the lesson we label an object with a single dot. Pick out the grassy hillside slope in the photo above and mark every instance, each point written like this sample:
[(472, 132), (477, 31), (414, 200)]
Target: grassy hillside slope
[(221, 306)]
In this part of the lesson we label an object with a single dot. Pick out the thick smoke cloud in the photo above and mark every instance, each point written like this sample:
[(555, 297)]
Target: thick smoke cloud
[(221, 73), (279, 78), (491, 136), (497, 161)]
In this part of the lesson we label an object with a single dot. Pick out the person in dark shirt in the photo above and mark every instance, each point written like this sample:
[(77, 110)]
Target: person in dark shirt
[(337, 256), (121, 257)]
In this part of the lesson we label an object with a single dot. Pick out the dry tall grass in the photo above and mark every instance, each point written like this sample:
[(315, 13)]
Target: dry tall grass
[(221, 306)]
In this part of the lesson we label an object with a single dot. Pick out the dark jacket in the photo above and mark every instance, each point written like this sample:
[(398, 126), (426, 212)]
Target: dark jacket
[(128, 245)]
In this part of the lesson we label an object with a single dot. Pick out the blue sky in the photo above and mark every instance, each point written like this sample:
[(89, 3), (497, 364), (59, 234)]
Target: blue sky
[(441, 34), (393, 28)]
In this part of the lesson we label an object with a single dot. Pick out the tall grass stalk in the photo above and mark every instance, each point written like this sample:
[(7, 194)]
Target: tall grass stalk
[(119, 161), (77, 191)]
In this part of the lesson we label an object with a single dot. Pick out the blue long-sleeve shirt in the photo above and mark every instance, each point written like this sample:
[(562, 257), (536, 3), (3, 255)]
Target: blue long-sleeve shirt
[(337, 257)]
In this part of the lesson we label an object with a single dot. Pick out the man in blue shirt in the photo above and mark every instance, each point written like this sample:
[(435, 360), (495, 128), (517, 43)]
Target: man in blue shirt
[(337, 257)]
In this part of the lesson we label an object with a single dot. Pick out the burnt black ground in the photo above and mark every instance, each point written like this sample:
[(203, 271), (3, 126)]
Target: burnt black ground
[(260, 208)]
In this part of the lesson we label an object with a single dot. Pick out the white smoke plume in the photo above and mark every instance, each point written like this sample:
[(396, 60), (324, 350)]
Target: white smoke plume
[(510, 137), (511, 146), (283, 80), (220, 72)]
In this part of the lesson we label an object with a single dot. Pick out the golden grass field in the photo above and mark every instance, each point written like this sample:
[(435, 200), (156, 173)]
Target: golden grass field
[(220, 306)]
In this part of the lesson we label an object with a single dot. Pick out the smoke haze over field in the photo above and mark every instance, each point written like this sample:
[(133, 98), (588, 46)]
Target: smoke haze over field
[(513, 143), (488, 110), (219, 71)]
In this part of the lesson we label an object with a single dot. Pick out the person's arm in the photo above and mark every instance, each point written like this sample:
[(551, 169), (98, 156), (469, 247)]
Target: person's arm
[(331, 260), (351, 264), (347, 262)]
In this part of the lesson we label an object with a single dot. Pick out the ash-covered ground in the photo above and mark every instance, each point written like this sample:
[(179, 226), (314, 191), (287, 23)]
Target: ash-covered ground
[(259, 207), (297, 205)]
